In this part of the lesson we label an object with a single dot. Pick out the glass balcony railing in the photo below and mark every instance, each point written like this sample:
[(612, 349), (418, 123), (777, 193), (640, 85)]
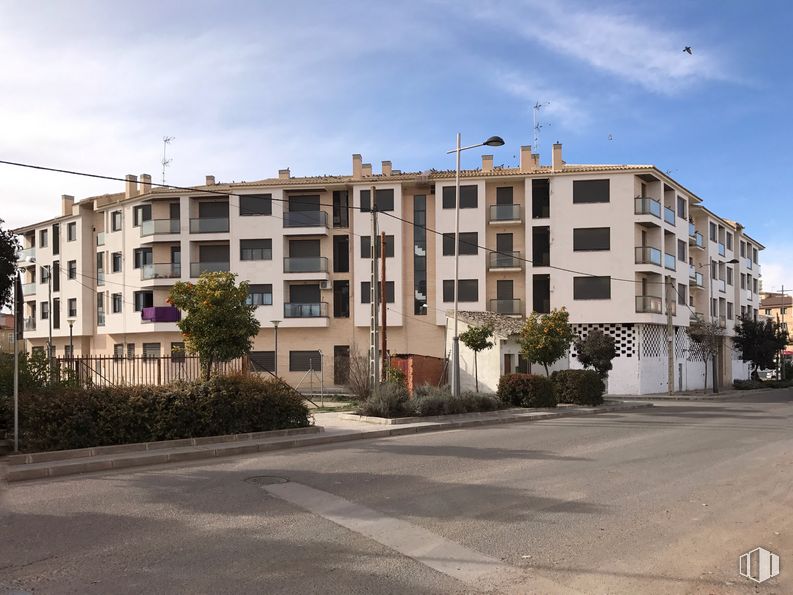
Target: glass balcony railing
[(505, 306), (696, 280), (305, 219), (28, 288), (100, 238), (30, 323), (27, 253), (197, 268), (692, 229), (163, 270), (722, 249), (748, 295), (305, 264), (504, 212), (669, 215), (748, 262), (315, 310), (647, 206), (504, 260), (649, 304), (670, 262), (648, 255), (100, 318), (699, 241), (100, 277), (720, 285), (161, 226), (161, 314), (692, 271), (209, 225)]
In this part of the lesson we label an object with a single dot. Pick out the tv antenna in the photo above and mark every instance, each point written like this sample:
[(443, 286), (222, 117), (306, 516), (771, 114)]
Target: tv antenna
[(166, 140), (536, 124)]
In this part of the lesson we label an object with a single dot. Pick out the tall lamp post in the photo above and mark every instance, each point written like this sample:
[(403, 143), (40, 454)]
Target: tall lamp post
[(493, 141), (275, 324), (71, 322), (712, 315)]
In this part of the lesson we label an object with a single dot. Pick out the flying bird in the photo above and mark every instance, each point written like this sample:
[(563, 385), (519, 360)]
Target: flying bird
[(687, 49), (611, 137)]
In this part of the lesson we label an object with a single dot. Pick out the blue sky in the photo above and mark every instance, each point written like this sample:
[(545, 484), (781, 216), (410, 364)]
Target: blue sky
[(247, 88)]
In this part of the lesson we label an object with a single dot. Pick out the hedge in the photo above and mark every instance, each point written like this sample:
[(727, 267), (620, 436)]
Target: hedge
[(66, 418), (391, 400), (526, 390), (581, 387)]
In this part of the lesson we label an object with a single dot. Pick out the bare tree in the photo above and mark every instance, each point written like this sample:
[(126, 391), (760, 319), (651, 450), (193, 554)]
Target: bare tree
[(707, 337), (358, 377)]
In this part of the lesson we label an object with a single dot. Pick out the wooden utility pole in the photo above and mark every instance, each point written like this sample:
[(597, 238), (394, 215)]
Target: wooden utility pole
[(384, 309), (670, 338)]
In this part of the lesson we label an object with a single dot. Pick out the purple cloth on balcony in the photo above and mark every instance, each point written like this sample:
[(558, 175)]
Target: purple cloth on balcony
[(161, 314)]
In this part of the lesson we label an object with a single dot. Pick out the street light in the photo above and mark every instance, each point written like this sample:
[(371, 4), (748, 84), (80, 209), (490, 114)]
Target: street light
[(712, 315), (493, 141), (275, 324), (71, 321)]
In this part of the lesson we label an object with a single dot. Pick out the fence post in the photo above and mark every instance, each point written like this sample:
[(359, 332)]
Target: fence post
[(159, 371)]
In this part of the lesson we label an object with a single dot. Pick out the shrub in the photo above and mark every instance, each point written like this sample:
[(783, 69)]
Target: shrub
[(429, 389), (358, 377), (748, 384), (526, 390), (85, 417), (778, 383), (389, 400), (395, 375), (581, 387), (441, 402), (481, 402)]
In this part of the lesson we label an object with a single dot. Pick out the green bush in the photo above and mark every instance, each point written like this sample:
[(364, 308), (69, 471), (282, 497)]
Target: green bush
[(580, 387), (67, 418), (526, 390), (748, 384), (443, 403), (389, 400), (778, 383)]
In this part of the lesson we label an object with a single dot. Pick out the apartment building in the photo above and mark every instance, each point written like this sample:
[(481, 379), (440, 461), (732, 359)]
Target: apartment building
[(611, 243)]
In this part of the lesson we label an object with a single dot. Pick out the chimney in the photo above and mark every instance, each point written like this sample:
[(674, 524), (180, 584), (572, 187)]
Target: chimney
[(487, 163), (67, 202), (145, 183), (535, 157), (367, 169), (386, 168), (557, 162), (130, 186), (526, 159), (209, 181), (283, 174), (357, 169)]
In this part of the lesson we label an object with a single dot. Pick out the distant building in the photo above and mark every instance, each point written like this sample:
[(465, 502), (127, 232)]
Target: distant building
[(7, 333), (779, 308)]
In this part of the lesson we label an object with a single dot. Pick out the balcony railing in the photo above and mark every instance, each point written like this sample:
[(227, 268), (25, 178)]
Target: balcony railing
[(748, 295), (506, 306), (197, 268), (100, 318), (720, 285), (669, 215), (648, 255), (161, 314), (28, 288), (692, 230), (100, 238), (26, 254), (647, 206), (161, 270), (209, 225), (160, 226), (504, 212), (670, 262), (649, 304), (722, 249), (316, 310), (722, 321), (696, 280), (305, 264), (305, 219), (505, 260), (30, 323), (699, 241), (100, 277), (749, 263)]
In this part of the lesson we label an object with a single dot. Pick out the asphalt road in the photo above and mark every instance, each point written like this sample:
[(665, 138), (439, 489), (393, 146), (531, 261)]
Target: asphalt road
[(662, 500)]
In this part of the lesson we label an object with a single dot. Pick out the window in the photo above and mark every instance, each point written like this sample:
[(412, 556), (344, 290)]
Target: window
[(130, 350), (469, 290), (754, 285), (743, 281), (142, 299), (729, 275), (115, 262), (504, 195), (56, 313), (56, 275), (178, 351), (366, 292), (71, 269), (141, 257), (341, 299), (44, 275), (72, 307), (56, 238), (366, 247), (469, 196), (260, 295), (681, 207), (256, 249), (252, 205), (151, 350), (67, 351), (384, 197), (592, 288), (589, 191), (118, 351), (713, 232), (341, 254), (115, 221), (420, 255), (468, 243), (71, 231), (140, 214), (729, 241), (448, 244), (262, 361), (783, 311), (303, 361), (100, 268), (754, 255), (341, 208), (591, 238), (43, 236), (682, 247), (743, 249), (729, 310), (682, 292), (540, 199), (115, 303), (100, 309)]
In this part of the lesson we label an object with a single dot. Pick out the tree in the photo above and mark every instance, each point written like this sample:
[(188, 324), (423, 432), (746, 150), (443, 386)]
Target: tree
[(596, 351), (9, 246), (759, 342), (707, 337), (477, 338), (219, 324), (546, 339)]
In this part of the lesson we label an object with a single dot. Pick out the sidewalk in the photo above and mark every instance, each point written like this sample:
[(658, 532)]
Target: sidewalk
[(698, 395), (330, 428)]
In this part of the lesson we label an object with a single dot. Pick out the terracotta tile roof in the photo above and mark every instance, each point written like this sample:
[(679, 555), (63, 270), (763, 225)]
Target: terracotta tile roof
[(775, 301), (502, 325)]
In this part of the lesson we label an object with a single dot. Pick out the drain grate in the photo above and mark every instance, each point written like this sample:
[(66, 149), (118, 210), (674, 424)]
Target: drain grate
[(265, 480)]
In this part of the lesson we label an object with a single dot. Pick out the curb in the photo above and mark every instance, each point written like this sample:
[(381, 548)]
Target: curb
[(108, 462)]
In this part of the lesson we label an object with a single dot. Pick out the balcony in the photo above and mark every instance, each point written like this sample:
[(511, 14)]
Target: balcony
[(305, 219), (699, 241), (208, 225), (669, 215), (100, 318), (510, 307), (504, 261), (27, 253), (649, 304), (100, 277), (100, 238), (28, 288), (154, 227), (696, 280), (504, 214), (720, 285), (648, 255), (692, 230), (164, 270), (647, 206), (160, 314), (30, 323), (316, 310), (723, 321), (748, 262), (305, 264), (197, 268), (670, 262), (748, 295), (722, 249)]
